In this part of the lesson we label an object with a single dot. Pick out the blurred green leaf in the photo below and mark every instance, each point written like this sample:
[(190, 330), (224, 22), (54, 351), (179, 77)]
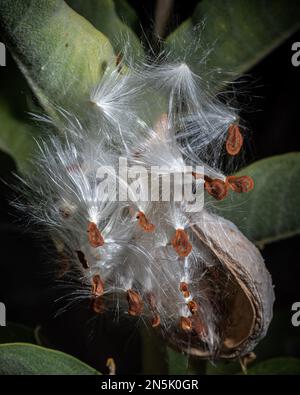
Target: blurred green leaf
[(177, 362), (235, 35), (12, 333), (103, 14), (271, 210), (276, 366), (155, 359), (28, 359), (16, 136), (61, 54), (223, 368), (127, 14), (180, 363)]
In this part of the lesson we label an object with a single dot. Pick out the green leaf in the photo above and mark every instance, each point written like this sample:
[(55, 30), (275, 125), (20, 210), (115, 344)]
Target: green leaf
[(16, 136), (28, 359), (177, 362), (12, 333), (223, 368), (278, 366), (61, 54), (127, 14), (271, 210), (154, 353), (180, 363), (103, 14), (236, 34)]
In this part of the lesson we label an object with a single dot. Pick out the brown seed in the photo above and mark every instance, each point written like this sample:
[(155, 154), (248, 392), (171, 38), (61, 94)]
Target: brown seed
[(151, 300), (155, 322), (82, 260), (193, 307), (234, 140), (181, 243), (97, 285), (118, 58), (135, 303), (97, 305), (216, 188), (240, 184), (144, 222), (118, 62), (186, 324), (184, 289), (94, 234), (199, 327)]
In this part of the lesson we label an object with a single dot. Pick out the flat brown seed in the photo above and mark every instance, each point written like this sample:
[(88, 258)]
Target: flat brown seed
[(234, 140), (181, 243), (184, 289), (97, 285), (216, 188), (155, 322), (144, 222), (94, 234), (193, 307), (199, 327), (186, 324), (151, 300), (135, 303), (82, 260), (97, 305), (240, 184)]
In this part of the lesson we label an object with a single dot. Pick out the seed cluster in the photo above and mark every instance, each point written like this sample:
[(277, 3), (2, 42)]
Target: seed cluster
[(136, 256)]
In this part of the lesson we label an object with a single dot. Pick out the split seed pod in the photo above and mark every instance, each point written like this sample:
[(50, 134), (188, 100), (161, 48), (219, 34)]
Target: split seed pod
[(245, 297)]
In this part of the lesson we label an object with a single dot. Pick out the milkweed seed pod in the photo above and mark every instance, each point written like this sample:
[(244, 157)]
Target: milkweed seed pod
[(137, 249), (241, 286)]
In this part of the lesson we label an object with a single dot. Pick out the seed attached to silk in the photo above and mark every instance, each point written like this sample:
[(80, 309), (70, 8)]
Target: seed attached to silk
[(97, 285), (199, 327), (234, 140), (135, 303), (94, 234), (97, 305), (186, 324), (193, 307), (144, 222), (152, 301), (184, 289), (240, 184), (181, 243), (155, 322), (216, 188)]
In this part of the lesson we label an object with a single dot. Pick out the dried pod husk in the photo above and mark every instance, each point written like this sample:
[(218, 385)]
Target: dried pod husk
[(245, 295)]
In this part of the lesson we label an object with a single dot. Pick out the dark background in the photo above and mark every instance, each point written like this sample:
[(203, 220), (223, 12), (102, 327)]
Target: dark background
[(27, 286)]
